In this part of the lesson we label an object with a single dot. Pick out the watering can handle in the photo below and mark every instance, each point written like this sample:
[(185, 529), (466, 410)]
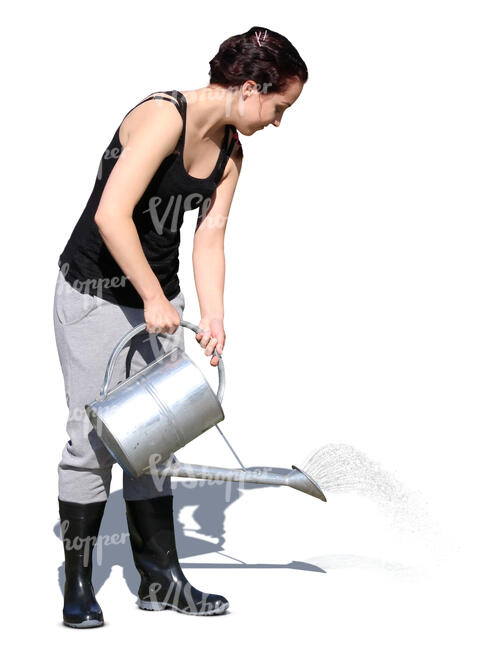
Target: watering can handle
[(140, 328)]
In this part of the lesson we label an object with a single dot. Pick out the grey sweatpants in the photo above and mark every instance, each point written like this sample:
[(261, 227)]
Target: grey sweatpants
[(87, 328)]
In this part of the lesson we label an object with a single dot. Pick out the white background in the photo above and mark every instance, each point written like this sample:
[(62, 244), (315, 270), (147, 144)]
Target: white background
[(355, 313)]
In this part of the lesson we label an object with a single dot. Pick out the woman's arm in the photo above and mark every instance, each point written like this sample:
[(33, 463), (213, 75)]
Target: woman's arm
[(209, 260), (151, 139)]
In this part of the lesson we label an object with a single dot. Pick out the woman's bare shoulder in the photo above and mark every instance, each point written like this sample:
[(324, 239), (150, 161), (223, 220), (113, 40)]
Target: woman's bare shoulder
[(155, 113)]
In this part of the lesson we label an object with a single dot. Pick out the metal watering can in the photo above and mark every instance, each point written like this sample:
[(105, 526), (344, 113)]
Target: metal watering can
[(163, 407)]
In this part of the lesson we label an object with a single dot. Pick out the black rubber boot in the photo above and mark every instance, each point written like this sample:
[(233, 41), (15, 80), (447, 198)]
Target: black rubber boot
[(80, 523), (163, 583)]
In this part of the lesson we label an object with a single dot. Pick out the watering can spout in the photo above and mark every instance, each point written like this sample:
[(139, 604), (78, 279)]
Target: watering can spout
[(299, 480), (296, 478)]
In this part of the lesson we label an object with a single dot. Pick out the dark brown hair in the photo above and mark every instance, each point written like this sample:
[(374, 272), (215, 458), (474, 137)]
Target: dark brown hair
[(260, 54)]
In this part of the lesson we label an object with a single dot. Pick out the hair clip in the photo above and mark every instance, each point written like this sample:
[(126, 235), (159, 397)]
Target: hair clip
[(258, 37)]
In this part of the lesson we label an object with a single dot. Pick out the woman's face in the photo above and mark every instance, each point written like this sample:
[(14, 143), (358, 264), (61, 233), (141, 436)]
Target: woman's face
[(257, 110)]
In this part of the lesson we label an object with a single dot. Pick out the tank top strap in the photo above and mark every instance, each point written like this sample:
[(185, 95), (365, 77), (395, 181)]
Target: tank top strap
[(226, 150), (172, 98), (176, 98), (234, 139)]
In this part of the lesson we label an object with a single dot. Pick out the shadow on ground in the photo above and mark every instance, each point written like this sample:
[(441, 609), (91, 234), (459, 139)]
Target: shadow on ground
[(210, 499)]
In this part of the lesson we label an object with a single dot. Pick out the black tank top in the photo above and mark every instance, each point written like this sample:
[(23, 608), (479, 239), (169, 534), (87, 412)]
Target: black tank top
[(86, 262)]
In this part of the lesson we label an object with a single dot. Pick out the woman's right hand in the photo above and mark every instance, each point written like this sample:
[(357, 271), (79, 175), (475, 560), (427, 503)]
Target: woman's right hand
[(161, 316)]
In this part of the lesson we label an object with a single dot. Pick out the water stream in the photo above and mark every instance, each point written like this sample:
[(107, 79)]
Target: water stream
[(341, 468)]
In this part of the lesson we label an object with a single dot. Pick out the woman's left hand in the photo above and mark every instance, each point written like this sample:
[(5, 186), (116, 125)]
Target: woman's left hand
[(212, 337)]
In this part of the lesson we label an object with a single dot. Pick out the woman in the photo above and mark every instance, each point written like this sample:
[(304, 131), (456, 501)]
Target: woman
[(174, 151)]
